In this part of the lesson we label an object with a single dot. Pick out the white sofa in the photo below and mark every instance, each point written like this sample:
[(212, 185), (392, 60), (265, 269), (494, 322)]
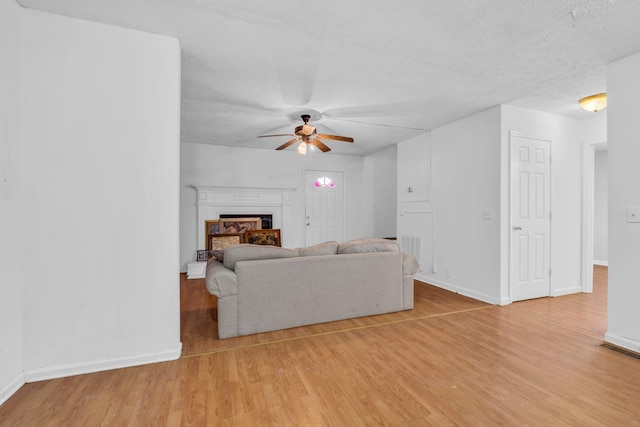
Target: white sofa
[(267, 288)]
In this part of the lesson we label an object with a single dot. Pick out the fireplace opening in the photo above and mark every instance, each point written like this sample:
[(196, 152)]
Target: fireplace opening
[(266, 219)]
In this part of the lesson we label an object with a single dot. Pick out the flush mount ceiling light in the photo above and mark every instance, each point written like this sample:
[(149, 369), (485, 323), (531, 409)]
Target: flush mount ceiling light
[(594, 103)]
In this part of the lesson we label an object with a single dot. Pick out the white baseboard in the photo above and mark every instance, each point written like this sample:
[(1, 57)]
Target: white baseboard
[(103, 365), (566, 291), (457, 289), (600, 262), (13, 386), (482, 297), (623, 342)]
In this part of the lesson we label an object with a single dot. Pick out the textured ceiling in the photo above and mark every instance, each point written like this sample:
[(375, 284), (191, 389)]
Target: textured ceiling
[(380, 71)]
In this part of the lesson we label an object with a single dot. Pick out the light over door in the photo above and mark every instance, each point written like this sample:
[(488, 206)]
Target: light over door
[(530, 218), (324, 206)]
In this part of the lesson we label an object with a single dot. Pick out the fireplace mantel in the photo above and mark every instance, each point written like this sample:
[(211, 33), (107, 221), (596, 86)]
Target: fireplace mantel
[(214, 201)]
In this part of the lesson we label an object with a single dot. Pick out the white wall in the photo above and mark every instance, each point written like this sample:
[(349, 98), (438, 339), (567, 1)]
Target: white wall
[(565, 134), (600, 209), (380, 184), (464, 180), (414, 170), (11, 223), (99, 122), (623, 87), (594, 128), (203, 164)]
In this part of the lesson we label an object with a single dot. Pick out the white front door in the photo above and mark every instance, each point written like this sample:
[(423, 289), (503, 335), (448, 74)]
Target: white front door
[(530, 218), (324, 206)]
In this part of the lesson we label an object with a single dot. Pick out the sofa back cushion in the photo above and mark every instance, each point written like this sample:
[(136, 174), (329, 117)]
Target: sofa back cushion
[(246, 252), (326, 248), (368, 245)]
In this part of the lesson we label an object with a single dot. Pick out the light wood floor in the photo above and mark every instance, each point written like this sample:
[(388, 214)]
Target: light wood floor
[(451, 361)]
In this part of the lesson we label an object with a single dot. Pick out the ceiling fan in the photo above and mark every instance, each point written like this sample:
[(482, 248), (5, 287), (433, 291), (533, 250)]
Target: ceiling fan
[(308, 137)]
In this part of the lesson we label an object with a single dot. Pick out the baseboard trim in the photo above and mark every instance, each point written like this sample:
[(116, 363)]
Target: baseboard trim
[(623, 342), (600, 262), (13, 386), (103, 365), (565, 291), (457, 289)]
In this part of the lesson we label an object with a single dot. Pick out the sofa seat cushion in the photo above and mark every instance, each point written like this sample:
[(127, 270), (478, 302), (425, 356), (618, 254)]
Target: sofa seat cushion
[(247, 252), (326, 248), (368, 245)]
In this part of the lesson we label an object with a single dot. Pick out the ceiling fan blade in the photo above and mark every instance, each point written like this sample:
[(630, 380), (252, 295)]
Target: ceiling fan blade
[(335, 137), (281, 134), (320, 145), (286, 144)]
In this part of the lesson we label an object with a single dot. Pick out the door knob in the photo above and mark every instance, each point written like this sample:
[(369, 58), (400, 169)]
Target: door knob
[(515, 227), (308, 223)]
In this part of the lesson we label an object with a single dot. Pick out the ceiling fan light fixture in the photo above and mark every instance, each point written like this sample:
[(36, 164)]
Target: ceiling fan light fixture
[(302, 148), (594, 103), (309, 139)]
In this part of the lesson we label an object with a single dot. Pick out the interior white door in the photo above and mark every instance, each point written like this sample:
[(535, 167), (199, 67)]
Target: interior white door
[(530, 247), (324, 206)]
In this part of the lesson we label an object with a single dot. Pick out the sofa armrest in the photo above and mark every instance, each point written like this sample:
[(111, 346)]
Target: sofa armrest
[(409, 264), (220, 280)]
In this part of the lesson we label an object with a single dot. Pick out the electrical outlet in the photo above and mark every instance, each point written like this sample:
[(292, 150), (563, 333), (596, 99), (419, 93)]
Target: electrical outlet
[(434, 269), (449, 272)]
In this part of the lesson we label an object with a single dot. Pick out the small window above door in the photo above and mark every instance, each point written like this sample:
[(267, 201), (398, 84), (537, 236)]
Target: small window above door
[(324, 182)]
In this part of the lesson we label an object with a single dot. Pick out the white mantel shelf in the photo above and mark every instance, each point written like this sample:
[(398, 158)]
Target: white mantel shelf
[(214, 201), (219, 189)]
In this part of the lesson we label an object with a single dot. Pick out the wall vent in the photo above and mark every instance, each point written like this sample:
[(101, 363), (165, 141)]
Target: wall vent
[(411, 245)]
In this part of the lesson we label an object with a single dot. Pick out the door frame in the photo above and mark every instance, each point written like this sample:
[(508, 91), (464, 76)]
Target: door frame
[(509, 222), (306, 193), (588, 185), (588, 182)]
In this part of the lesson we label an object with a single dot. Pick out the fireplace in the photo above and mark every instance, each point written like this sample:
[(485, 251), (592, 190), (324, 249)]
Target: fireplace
[(273, 205), (265, 219)]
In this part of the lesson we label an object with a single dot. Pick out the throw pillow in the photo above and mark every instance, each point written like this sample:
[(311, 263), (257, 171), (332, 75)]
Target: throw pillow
[(248, 252), (368, 245), (218, 254), (326, 248)]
